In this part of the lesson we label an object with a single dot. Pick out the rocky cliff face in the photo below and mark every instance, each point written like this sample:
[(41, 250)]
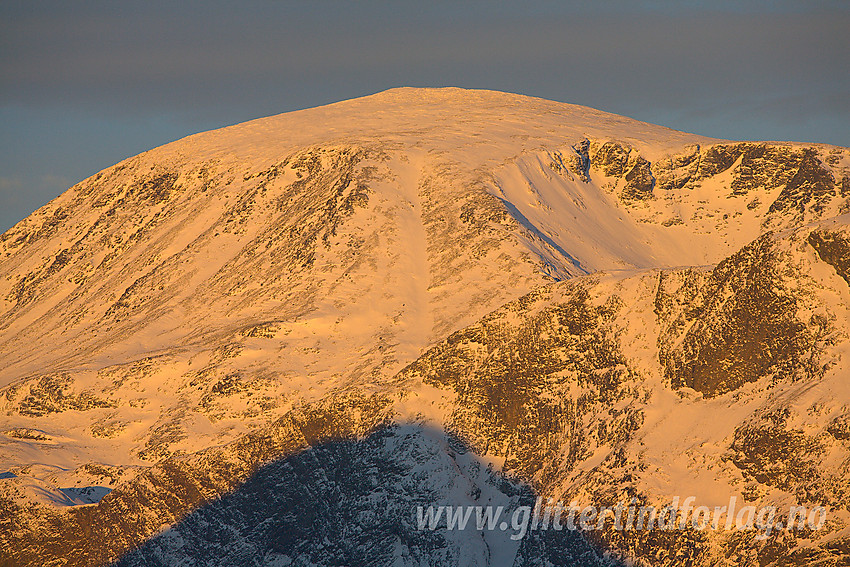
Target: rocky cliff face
[(593, 387), (503, 268)]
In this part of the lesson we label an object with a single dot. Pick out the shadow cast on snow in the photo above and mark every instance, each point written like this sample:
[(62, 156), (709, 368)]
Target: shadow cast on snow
[(363, 503)]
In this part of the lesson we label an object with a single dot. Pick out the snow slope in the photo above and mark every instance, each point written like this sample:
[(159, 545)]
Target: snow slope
[(194, 294)]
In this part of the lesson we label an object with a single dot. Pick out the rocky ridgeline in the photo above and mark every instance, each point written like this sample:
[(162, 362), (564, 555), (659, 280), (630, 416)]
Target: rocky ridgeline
[(801, 175), (545, 384)]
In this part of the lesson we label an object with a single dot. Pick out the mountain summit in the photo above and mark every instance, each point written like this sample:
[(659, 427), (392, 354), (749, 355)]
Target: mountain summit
[(587, 301)]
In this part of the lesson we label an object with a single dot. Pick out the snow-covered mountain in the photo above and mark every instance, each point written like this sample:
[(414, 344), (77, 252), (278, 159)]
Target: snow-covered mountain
[(595, 305)]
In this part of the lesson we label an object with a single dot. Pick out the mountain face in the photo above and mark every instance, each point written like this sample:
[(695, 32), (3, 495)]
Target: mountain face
[(582, 305)]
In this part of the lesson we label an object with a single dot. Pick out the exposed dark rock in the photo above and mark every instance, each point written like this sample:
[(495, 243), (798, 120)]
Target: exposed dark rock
[(763, 166), (107, 428), (160, 438), (502, 374), (840, 427), (611, 158), (579, 162), (776, 456), (27, 287), (716, 159), (810, 186), (51, 394), (672, 221), (679, 170), (742, 328), (616, 160), (833, 247), (26, 433), (659, 547), (639, 180), (154, 190), (803, 182)]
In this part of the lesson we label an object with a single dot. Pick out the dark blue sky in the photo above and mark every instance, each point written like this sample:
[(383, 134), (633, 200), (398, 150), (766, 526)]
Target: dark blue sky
[(86, 84)]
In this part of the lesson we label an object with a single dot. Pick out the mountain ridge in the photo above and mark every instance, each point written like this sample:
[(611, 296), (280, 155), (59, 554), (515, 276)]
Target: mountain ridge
[(190, 297)]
